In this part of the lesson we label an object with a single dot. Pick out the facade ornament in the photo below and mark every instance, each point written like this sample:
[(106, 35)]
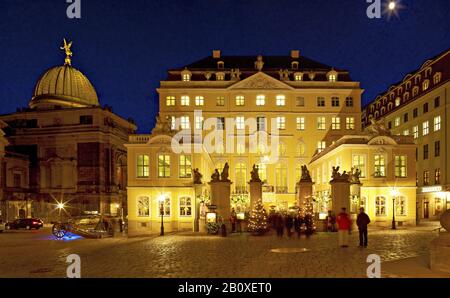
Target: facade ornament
[(235, 74), (338, 177), (215, 177), (284, 74), (224, 175), (161, 126), (197, 176), (208, 75), (306, 176), (255, 174), (378, 129), (311, 75), (355, 176), (66, 47), (259, 63)]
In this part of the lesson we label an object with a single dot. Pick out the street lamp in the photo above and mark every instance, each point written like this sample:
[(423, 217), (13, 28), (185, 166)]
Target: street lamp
[(161, 211), (394, 193), (60, 206)]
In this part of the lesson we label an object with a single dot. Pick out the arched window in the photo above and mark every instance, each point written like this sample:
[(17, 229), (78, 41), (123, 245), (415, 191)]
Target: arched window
[(406, 96), (363, 203), (143, 206), (281, 178), (281, 149), (415, 91), (166, 210), (437, 78), (380, 206), (397, 101), (425, 85), (185, 206), (241, 177)]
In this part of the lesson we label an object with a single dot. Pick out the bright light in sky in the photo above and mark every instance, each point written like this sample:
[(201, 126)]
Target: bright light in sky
[(392, 8)]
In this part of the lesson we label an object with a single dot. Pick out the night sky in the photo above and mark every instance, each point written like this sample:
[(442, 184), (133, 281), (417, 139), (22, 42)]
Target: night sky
[(126, 47)]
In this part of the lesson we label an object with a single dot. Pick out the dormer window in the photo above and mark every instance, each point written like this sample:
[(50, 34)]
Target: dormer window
[(220, 65), (397, 101), (415, 91), (425, 85), (437, 78), (294, 65), (332, 76), (298, 76), (220, 76), (186, 75)]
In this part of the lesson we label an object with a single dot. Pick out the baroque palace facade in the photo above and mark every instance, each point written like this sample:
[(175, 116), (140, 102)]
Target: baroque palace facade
[(419, 106), (305, 105), (64, 147)]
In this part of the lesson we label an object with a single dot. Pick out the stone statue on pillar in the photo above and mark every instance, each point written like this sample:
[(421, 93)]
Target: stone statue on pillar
[(255, 174), (215, 177), (197, 177), (306, 176), (224, 175)]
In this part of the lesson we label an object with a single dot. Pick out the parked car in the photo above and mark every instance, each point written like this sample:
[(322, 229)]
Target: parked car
[(25, 223)]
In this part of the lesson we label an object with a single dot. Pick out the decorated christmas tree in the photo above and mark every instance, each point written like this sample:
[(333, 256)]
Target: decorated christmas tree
[(308, 217), (258, 224)]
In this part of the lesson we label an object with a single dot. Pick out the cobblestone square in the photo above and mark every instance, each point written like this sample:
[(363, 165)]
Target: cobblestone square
[(37, 254)]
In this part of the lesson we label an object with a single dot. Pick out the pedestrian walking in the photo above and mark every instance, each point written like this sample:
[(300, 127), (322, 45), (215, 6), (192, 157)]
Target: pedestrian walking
[(344, 224), (298, 225), (289, 222), (233, 220), (362, 221), (330, 222), (279, 225)]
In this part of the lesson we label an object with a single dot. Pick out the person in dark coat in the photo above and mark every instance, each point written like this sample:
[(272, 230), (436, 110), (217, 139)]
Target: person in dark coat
[(362, 221), (298, 225), (289, 221), (279, 223)]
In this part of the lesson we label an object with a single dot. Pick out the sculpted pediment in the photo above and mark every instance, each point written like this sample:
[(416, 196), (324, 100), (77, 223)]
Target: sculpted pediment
[(261, 81), (382, 140), (159, 140)]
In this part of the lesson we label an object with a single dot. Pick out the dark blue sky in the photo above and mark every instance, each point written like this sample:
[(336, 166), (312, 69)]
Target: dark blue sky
[(125, 47)]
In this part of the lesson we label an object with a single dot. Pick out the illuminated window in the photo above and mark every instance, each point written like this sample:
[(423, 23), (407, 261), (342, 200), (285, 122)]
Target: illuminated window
[(397, 121), (186, 77), (380, 206), (185, 206), (400, 166), (261, 149), (261, 123), (349, 102), (335, 123), (220, 123), (260, 100), (185, 100), (300, 101), (143, 206), (416, 132), (262, 171), (437, 78), (320, 101), (379, 165), (240, 149), (437, 123), (321, 145), (397, 102), (241, 177), (425, 128), (281, 100), (332, 77), (350, 123), (321, 123), (199, 101), (281, 178), (240, 123), (300, 123), (185, 166), (198, 122), (166, 207), (400, 206), (220, 101), (281, 123), (143, 163), (240, 100), (163, 166), (220, 76), (298, 76), (170, 101), (425, 85), (301, 149), (406, 132), (426, 178), (335, 102), (359, 162), (437, 176), (184, 122), (281, 149), (173, 123)]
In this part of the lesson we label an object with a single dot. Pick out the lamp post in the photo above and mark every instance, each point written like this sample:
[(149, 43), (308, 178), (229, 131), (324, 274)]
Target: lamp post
[(394, 193), (161, 211)]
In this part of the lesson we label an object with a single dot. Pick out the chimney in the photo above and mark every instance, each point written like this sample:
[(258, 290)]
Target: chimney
[(295, 54), (216, 54)]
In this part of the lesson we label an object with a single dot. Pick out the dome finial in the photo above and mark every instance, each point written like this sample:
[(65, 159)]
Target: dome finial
[(66, 48)]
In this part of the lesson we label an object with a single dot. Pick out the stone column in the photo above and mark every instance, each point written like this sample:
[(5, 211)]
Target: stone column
[(340, 193), (220, 196), (198, 190), (305, 190), (255, 192)]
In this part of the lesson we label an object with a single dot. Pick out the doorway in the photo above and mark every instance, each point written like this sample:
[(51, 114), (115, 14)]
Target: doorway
[(426, 210)]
